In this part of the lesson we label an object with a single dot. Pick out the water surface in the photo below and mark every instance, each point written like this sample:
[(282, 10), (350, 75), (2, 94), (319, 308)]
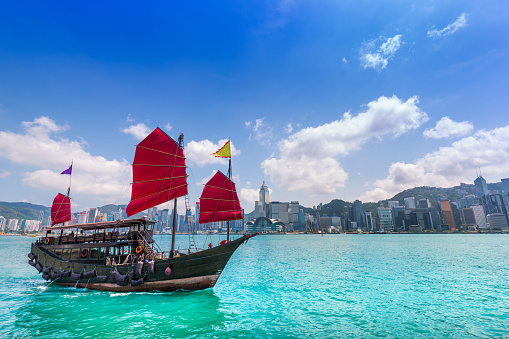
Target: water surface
[(332, 286)]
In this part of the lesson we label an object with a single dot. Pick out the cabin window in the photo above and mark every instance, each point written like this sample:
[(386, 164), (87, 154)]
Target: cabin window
[(58, 251), (65, 253), (125, 250), (75, 253), (94, 253), (102, 252)]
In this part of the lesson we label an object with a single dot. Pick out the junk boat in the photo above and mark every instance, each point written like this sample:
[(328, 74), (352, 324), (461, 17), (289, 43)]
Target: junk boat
[(121, 255)]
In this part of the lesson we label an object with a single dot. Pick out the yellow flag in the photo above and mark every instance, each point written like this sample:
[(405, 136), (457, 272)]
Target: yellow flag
[(224, 152)]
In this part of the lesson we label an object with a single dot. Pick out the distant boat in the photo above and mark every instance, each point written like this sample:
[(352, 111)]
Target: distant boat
[(122, 255)]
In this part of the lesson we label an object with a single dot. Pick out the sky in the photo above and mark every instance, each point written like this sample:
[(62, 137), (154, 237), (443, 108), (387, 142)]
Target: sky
[(321, 100)]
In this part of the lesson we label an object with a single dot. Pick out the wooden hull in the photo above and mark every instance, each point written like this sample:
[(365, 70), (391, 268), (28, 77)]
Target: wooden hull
[(195, 271)]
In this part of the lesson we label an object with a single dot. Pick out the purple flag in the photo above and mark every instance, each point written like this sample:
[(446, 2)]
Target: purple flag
[(68, 171)]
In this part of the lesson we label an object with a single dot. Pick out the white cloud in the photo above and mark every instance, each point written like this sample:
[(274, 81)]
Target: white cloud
[(460, 22), (448, 166), (289, 128), (4, 174), (168, 127), (94, 176), (261, 131), (200, 152), (139, 131), (378, 58), (447, 128), (129, 119), (344, 60), (248, 196), (306, 161)]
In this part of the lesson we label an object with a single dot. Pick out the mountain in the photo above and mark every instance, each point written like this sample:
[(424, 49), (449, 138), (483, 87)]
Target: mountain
[(22, 210)]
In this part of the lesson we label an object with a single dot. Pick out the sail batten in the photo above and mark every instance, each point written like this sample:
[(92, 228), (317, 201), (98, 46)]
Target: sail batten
[(159, 172), (219, 200), (60, 209)]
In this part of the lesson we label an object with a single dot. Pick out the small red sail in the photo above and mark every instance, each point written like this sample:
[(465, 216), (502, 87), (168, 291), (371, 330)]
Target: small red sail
[(159, 172), (61, 209), (219, 200)]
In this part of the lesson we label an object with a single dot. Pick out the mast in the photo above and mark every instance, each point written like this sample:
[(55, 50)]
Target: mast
[(229, 177), (173, 229)]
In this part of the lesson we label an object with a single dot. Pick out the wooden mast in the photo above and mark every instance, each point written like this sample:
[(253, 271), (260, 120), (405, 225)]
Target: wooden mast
[(173, 229)]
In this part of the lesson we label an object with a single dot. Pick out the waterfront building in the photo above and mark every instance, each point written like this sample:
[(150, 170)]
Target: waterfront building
[(480, 217), (369, 222), (498, 221), (12, 224), (398, 215), (448, 214), (422, 218), (357, 213), (264, 225), (468, 219), (497, 200), (386, 219), (410, 202), (286, 212), (32, 226)]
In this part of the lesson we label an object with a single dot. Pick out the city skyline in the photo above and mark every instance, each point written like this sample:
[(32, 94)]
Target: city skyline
[(321, 101)]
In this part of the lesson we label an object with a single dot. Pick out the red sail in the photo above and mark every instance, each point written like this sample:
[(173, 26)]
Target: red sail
[(159, 172), (219, 200), (61, 209)]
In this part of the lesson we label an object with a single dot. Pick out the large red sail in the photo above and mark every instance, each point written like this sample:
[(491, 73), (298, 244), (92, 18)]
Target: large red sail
[(219, 200), (61, 209), (159, 172)]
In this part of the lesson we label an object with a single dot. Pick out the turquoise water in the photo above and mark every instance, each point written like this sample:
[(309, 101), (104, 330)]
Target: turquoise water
[(307, 286)]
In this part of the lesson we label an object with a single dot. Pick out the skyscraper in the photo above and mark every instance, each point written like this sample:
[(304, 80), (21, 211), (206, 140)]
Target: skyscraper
[(481, 188), (264, 198), (357, 213), (448, 214)]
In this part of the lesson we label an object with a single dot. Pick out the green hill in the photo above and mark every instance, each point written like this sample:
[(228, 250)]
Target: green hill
[(22, 210)]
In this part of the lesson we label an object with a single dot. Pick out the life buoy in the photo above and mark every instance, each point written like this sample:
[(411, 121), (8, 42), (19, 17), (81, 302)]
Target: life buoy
[(46, 241), (139, 249), (84, 253)]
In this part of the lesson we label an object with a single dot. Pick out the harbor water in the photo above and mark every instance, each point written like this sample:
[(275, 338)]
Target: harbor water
[(285, 286)]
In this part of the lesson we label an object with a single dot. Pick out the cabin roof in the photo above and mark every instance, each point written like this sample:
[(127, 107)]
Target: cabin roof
[(104, 224)]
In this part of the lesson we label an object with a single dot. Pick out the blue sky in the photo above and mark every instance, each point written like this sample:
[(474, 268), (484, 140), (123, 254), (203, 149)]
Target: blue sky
[(322, 100)]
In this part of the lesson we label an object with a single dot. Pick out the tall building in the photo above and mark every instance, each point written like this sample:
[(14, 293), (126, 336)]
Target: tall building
[(410, 202), (357, 213), (505, 186), (386, 220), (468, 219), (369, 222), (264, 199), (92, 215), (448, 214), (480, 217), (481, 188)]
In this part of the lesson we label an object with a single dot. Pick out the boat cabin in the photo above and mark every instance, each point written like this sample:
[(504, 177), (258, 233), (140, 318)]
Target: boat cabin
[(103, 243)]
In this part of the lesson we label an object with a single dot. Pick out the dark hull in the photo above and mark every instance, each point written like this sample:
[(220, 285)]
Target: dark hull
[(195, 271)]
